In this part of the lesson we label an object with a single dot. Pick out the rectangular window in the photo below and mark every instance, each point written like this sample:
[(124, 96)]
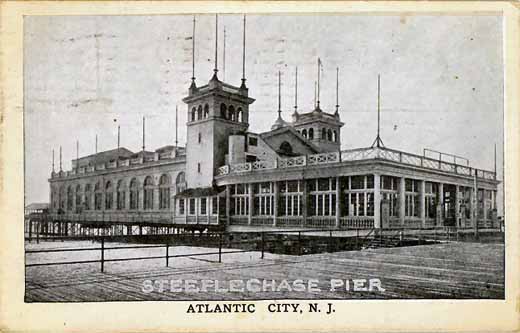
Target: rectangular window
[(357, 182), (181, 206), (253, 141), (203, 206), (192, 206), (198, 167), (214, 206)]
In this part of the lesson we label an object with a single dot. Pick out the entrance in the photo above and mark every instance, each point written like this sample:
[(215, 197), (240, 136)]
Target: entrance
[(449, 205)]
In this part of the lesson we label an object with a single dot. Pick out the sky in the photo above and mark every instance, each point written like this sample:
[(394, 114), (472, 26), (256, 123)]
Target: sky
[(441, 80)]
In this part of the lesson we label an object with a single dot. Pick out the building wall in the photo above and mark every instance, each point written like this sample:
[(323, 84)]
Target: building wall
[(171, 170)]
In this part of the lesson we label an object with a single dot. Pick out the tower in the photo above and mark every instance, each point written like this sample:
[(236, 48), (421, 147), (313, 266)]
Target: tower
[(215, 111), (321, 128)]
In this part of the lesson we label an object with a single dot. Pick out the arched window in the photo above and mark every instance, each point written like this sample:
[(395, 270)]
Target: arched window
[(164, 192), (324, 134), (304, 133), (193, 114), (206, 111), (335, 136), (121, 195), (329, 134), (78, 196), (134, 194), (231, 112), (61, 197), (88, 196), (223, 111), (148, 192), (180, 182), (240, 115), (199, 112), (311, 133), (98, 195), (70, 199), (109, 195), (286, 148)]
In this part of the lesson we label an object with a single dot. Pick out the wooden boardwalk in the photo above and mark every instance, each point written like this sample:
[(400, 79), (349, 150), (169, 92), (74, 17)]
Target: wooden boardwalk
[(447, 270)]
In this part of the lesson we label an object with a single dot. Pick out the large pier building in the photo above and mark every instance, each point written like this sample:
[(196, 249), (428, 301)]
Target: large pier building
[(295, 175)]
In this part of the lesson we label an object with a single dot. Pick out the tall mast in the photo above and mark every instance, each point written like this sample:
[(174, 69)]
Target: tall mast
[(77, 154), (495, 160), (337, 90), (378, 142), (96, 143), (315, 94), (118, 138), (143, 135), (318, 100), (279, 94), (244, 54), (193, 53), (60, 161), (215, 70), (296, 90), (53, 160), (176, 126)]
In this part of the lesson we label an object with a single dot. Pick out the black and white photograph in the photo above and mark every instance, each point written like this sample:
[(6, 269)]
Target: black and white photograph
[(263, 156)]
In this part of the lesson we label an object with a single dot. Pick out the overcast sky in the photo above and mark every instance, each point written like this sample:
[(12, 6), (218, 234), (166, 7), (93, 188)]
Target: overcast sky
[(441, 80)]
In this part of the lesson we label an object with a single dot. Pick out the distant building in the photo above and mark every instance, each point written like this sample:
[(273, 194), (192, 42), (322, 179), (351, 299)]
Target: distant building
[(294, 175)]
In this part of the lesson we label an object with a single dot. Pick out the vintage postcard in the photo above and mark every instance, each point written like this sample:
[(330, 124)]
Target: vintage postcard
[(263, 167)]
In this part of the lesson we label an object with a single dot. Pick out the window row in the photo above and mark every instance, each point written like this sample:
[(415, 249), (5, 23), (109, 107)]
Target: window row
[(226, 112), (326, 134), (114, 195)]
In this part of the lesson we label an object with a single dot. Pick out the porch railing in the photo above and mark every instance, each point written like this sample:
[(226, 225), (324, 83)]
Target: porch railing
[(360, 154)]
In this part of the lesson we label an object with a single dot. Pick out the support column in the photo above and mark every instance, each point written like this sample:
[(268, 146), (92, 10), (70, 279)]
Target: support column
[(484, 208), (440, 206), (305, 200), (275, 202), (377, 201), (228, 204), (338, 202), (457, 206), (250, 203), (402, 201), (422, 203), (473, 207)]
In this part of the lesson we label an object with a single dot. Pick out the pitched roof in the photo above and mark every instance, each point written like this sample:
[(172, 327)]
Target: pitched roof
[(105, 156), (37, 206), (267, 135)]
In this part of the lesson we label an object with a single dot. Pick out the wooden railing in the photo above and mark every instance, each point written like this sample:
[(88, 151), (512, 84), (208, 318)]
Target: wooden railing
[(135, 217), (360, 154)]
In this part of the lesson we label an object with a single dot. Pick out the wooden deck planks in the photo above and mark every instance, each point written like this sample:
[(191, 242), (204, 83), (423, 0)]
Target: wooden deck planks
[(448, 270)]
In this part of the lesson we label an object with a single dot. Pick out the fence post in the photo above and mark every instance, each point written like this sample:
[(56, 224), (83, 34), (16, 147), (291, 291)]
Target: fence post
[(167, 253), (299, 243), (102, 254), (330, 241), (262, 245), (220, 247)]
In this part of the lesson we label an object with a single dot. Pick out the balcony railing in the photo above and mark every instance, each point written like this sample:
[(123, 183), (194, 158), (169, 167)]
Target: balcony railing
[(361, 154), (113, 165)]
